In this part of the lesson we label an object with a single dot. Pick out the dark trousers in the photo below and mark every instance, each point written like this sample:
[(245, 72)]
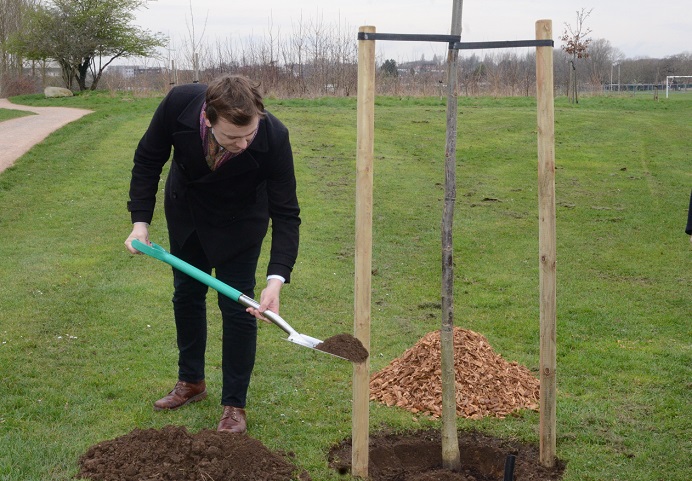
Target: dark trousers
[(239, 328)]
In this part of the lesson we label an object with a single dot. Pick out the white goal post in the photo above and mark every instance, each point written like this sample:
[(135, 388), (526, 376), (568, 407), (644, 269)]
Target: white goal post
[(674, 77)]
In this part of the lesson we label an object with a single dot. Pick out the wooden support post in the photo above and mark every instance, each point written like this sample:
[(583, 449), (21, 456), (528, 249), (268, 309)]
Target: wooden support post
[(547, 243), (363, 256)]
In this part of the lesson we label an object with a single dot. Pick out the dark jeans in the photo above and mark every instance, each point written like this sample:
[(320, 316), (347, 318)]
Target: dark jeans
[(239, 327)]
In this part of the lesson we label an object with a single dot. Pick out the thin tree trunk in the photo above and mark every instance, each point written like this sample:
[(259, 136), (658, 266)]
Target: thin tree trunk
[(450, 441), (576, 86)]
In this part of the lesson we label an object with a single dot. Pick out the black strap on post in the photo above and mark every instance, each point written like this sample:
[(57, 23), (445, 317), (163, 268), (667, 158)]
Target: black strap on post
[(503, 44), (408, 37)]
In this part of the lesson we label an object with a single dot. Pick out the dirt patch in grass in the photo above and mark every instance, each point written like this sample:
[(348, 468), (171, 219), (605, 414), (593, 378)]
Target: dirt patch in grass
[(174, 454), (417, 456)]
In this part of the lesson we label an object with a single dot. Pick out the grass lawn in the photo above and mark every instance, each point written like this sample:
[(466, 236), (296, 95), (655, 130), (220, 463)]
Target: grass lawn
[(7, 114), (87, 342)]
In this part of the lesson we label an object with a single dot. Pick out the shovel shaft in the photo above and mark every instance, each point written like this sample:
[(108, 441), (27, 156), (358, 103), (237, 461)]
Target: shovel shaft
[(272, 316), (161, 254), (158, 252)]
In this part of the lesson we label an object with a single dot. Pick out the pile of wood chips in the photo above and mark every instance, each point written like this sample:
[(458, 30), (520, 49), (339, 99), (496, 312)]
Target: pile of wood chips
[(486, 384)]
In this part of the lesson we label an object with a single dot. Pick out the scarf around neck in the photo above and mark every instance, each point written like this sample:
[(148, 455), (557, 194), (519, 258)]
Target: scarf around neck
[(214, 153)]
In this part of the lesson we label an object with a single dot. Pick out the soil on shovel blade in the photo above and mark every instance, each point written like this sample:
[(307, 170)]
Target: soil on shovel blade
[(417, 456), (346, 346)]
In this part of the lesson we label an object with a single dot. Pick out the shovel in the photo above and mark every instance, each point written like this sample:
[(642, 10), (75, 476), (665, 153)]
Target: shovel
[(162, 254)]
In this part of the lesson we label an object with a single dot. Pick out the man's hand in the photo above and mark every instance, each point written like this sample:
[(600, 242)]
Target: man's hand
[(140, 231), (269, 299)]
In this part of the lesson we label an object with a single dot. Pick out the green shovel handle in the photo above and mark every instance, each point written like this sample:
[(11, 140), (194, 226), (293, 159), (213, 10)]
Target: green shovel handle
[(161, 254), (158, 252)]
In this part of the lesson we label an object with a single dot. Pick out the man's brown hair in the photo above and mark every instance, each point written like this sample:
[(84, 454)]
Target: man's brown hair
[(234, 98)]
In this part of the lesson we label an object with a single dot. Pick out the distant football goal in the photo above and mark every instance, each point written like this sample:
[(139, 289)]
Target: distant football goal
[(671, 82)]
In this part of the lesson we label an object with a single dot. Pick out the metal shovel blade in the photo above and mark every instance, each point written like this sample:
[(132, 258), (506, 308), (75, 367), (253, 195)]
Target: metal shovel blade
[(304, 340), (293, 335)]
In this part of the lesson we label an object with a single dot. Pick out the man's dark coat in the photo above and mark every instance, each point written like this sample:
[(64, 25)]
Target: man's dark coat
[(230, 207), (688, 229)]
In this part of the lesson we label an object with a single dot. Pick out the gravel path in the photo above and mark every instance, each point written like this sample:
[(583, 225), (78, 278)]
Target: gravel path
[(18, 135)]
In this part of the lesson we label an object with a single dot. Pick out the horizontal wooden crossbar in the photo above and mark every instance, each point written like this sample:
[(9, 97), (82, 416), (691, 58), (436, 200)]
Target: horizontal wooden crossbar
[(454, 41)]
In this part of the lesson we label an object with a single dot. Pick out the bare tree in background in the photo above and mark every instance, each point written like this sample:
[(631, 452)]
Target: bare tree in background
[(528, 74), (576, 45), (317, 51), (12, 13), (602, 56), (194, 46), (343, 57), (294, 57)]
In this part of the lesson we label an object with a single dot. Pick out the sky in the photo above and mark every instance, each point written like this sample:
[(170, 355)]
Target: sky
[(637, 28)]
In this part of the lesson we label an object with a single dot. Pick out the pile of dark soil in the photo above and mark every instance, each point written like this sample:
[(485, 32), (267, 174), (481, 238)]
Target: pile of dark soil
[(346, 346), (486, 384), (418, 457), (173, 454)]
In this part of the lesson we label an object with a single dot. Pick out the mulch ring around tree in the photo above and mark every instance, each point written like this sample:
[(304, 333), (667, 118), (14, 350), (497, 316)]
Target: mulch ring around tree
[(417, 456)]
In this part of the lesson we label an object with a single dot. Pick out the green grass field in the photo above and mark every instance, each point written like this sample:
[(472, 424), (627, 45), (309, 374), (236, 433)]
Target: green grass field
[(87, 341), (7, 114)]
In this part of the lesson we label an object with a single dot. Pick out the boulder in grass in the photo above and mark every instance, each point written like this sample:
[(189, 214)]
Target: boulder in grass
[(54, 92)]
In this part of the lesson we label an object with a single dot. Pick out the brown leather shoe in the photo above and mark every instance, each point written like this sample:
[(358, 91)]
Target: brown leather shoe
[(182, 394), (233, 420)]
